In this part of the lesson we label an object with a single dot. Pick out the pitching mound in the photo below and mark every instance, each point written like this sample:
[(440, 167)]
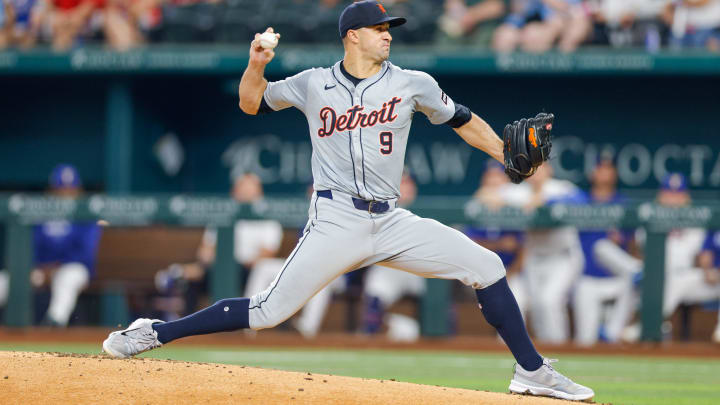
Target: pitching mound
[(57, 378)]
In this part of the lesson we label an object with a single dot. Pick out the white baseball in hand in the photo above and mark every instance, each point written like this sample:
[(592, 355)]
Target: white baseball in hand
[(268, 40)]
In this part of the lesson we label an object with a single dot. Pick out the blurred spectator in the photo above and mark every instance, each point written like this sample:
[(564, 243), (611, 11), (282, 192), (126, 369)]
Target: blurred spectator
[(75, 20), (385, 286), (21, 23), (537, 25), (257, 242), (30, 17), (694, 23), (470, 21), (682, 247), (494, 185), (256, 246), (69, 18), (65, 252), (120, 22), (684, 281), (553, 257), (632, 23), (609, 269)]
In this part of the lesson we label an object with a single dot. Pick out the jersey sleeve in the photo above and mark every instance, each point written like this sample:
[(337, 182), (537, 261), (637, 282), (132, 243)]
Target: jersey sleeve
[(290, 92), (431, 100)]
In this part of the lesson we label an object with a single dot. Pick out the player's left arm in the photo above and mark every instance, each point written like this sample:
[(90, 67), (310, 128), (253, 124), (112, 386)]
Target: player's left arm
[(478, 134)]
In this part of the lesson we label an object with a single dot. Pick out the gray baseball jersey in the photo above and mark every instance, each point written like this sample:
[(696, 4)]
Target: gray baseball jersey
[(359, 134)]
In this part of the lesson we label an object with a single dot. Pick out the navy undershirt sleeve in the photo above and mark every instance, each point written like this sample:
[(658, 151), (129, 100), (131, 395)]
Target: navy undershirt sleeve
[(264, 107), (462, 116)]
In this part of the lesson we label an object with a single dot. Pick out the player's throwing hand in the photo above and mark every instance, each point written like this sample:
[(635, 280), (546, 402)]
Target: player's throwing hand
[(259, 54)]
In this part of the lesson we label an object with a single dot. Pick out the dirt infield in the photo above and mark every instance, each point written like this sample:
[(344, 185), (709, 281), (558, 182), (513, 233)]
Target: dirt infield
[(57, 378)]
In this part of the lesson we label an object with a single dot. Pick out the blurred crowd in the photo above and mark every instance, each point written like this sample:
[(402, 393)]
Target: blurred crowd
[(500, 25), (597, 275)]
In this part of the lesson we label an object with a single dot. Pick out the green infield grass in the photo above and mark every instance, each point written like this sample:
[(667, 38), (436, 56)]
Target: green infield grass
[(615, 379)]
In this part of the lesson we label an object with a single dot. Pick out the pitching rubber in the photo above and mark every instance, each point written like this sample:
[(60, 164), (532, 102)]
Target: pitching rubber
[(520, 388)]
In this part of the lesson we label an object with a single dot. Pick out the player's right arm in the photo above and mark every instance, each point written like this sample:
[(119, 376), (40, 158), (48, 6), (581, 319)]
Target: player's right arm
[(253, 83), (258, 96)]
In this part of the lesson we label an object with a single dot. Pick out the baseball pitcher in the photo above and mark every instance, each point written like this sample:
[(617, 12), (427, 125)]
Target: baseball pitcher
[(359, 113)]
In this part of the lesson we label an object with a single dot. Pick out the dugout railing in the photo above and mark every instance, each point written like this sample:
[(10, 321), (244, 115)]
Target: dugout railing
[(20, 211)]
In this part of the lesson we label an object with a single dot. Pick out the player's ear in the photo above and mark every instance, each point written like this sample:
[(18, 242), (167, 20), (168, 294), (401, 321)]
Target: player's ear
[(352, 36)]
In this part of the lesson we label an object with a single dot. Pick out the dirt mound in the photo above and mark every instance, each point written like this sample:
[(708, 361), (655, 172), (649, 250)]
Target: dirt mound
[(58, 378)]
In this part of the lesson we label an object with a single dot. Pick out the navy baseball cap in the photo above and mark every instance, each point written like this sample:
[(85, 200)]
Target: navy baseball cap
[(64, 176), (365, 14), (674, 182)]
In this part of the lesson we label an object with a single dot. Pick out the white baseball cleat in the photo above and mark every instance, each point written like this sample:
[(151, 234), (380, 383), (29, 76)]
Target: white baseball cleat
[(547, 382), (137, 338)]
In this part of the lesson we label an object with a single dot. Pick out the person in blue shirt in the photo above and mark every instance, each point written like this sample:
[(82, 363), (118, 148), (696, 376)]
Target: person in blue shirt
[(609, 269), (65, 253)]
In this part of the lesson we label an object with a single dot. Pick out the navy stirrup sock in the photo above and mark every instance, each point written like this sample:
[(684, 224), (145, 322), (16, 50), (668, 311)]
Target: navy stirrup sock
[(223, 316), (501, 311)]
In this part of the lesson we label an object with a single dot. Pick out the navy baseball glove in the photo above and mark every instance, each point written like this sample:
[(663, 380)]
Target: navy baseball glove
[(526, 145)]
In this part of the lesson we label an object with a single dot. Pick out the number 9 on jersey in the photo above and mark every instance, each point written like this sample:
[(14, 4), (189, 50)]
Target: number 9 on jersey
[(386, 140)]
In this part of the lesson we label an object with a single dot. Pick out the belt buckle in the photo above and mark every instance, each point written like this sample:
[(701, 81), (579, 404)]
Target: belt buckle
[(370, 205)]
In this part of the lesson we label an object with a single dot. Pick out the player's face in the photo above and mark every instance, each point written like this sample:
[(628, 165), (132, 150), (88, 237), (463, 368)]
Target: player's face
[(605, 175), (247, 188), (374, 41), (66, 192), (671, 198)]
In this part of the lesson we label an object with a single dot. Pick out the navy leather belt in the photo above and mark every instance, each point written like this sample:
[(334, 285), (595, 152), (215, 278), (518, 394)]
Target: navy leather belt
[(375, 207)]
